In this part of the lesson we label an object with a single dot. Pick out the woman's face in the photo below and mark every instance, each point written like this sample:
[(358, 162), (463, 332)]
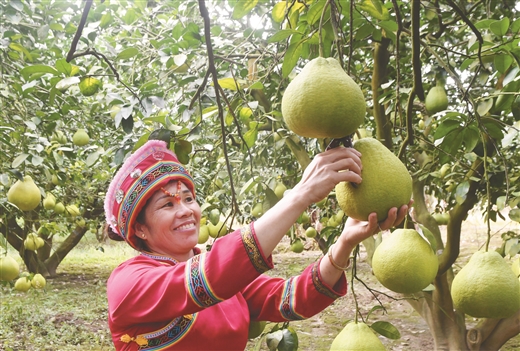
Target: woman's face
[(171, 227)]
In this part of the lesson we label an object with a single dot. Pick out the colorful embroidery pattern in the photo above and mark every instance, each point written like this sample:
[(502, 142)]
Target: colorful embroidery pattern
[(318, 283), (169, 335), (197, 284), (251, 246), (287, 305), (141, 187)]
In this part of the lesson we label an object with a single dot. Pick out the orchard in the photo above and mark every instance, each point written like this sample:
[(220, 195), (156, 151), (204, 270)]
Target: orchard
[(246, 93)]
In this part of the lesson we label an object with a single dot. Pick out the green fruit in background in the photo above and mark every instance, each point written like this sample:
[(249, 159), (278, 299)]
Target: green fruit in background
[(297, 246), (404, 262), (357, 337), (322, 203), (486, 287), (444, 170), (441, 218), (88, 86), (203, 234), (49, 202), (214, 216), (80, 138), (436, 100), (323, 101), (25, 195), (55, 180), (256, 329), (38, 281), (304, 218), (9, 268), (72, 210), (279, 189), (516, 267), (386, 183), (311, 232), (39, 243), (258, 210), (30, 242), (59, 137), (80, 222), (59, 208), (217, 230), (22, 284)]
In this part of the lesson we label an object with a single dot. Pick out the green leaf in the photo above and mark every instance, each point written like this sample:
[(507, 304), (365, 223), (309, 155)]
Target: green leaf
[(429, 236), (446, 127), (376, 9), (461, 192), (30, 70), (386, 329), (106, 19), (243, 7), (129, 17), (291, 58), (63, 67), (19, 160), (289, 340), (514, 215), (183, 149), (127, 53), (278, 13), (282, 35), (228, 83), (493, 127), (92, 158), (471, 137), (451, 145), (20, 48), (500, 27), (503, 62), (314, 13), (250, 137)]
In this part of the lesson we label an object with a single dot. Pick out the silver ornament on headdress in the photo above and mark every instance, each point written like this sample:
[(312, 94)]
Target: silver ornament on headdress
[(120, 194), (158, 155), (136, 173)]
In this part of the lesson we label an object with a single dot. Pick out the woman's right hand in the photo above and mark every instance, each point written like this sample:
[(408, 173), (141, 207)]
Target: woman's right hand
[(327, 169)]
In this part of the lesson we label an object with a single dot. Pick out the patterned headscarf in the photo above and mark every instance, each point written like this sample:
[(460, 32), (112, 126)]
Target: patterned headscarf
[(151, 167)]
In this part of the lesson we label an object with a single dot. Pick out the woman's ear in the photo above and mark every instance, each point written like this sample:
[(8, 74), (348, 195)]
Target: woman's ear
[(139, 230)]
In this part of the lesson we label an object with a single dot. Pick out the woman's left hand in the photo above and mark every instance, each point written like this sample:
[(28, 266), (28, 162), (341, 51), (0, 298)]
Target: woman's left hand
[(356, 231)]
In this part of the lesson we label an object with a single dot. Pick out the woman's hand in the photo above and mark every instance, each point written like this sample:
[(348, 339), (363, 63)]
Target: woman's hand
[(356, 231), (327, 169)]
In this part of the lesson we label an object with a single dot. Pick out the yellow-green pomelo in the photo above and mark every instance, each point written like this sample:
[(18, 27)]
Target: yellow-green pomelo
[(280, 189), (72, 210), (357, 337), (25, 195), (22, 284), (486, 287), (386, 183), (59, 208), (323, 101), (436, 100), (49, 202), (217, 230), (404, 262), (441, 218), (258, 210), (297, 246), (80, 138), (311, 232), (256, 329), (30, 242), (9, 268), (203, 234), (38, 281)]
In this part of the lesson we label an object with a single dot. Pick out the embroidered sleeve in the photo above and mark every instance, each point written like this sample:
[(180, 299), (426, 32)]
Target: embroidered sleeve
[(320, 286), (256, 256), (198, 286)]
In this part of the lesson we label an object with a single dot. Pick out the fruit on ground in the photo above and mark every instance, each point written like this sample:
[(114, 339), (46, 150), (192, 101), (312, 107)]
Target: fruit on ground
[(22, 284), (323, 101), (386, 183), (357, 337), (25, 195), (203, 234), (49, 202), (404, 262), (297, 246), (217, 230), (80, 138), (9, 268), (256, 328), (280, 189), (38, 281), (486, 287), (311, 232), (436, 100)]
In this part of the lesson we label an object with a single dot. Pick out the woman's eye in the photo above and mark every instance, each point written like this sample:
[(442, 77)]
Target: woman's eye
[(168, 204), (189, 199)]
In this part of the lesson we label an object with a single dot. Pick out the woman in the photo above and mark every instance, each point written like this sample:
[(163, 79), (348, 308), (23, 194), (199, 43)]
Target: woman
[(173, 297)]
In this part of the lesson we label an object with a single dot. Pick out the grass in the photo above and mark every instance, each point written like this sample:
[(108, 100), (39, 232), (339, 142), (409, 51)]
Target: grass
[(70, 314)]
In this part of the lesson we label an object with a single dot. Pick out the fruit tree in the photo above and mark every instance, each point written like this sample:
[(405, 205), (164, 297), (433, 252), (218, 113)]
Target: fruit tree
[(86, 82)]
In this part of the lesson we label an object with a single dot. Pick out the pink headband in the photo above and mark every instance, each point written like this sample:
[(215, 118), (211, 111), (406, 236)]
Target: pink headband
[(151, 167)]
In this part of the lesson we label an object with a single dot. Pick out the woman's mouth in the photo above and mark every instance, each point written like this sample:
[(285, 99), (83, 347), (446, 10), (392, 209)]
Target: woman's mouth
[(186, 226)]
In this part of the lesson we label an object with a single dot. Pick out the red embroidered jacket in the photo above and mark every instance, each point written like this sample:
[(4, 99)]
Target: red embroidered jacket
[(206, 303)]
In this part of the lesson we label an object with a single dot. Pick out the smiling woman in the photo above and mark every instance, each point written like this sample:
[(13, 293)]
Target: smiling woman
[(174, 297)]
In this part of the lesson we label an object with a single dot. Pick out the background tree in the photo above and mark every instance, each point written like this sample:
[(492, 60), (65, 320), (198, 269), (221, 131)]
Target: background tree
[(208, 77)]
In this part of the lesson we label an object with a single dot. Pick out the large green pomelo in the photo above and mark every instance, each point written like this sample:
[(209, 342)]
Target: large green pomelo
[(323, 101), (486, 287), (357, 337), (386, 183)]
